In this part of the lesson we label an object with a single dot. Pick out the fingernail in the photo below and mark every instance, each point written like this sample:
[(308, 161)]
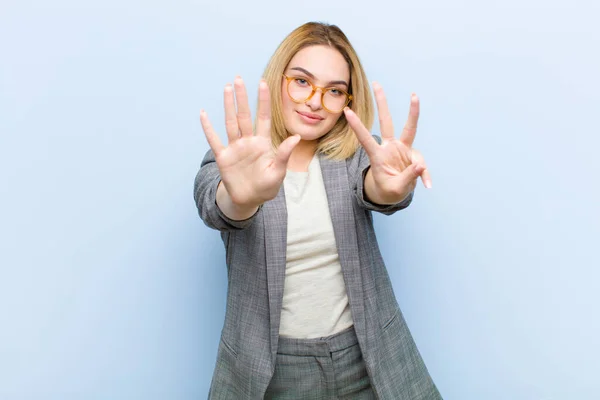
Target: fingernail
[(228, 86), (346, 109), (262, 84), (428, 184)]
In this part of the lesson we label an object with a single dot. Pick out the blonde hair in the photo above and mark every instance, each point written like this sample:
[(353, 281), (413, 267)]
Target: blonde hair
[(340, 142)]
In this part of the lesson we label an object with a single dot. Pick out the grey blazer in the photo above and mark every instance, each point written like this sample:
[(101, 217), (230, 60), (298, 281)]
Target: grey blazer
[(255, 258)]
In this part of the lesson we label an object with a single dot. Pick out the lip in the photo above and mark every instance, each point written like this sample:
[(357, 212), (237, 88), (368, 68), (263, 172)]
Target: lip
[(310, 117)]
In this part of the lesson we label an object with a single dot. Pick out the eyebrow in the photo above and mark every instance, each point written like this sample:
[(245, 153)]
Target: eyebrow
[(313, 77)]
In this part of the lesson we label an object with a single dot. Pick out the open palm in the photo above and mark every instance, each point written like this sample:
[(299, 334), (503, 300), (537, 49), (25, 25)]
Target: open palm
[(250, 170), (395, 164)]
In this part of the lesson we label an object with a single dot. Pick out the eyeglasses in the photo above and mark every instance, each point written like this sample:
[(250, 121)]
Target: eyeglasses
[(301, 90)]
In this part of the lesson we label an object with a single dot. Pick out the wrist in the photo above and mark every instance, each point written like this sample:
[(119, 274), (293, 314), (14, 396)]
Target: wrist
[(230, 208), (373, 194)]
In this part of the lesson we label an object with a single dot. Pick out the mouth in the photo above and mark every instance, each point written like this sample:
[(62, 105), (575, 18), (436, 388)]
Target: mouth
[(310, 116)]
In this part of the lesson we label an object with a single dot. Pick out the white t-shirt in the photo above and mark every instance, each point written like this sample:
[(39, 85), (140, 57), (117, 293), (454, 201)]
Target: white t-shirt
[(315, 303)]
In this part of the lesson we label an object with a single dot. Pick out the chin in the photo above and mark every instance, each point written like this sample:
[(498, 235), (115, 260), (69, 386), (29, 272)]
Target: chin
[(308, 133)]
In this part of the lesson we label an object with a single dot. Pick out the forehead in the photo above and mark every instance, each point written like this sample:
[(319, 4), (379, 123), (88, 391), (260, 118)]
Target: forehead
[(324, 62)]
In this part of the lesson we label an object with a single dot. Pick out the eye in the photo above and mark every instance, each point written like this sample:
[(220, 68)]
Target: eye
[(336, 92), (302, 82)]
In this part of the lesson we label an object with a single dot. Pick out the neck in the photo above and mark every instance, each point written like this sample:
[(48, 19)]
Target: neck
[(302, 155)]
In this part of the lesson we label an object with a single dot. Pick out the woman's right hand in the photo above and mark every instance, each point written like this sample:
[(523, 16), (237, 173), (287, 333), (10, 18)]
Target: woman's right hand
[(251, 172)]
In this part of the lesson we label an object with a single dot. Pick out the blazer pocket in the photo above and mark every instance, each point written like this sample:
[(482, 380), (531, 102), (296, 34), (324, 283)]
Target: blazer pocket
[(227, 347), (391, 320)]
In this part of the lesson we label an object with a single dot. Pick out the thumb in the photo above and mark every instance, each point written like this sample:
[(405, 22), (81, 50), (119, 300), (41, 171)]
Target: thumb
[(285, 151)]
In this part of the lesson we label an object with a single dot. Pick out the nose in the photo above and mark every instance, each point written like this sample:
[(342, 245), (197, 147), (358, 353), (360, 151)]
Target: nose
[(315, 101)]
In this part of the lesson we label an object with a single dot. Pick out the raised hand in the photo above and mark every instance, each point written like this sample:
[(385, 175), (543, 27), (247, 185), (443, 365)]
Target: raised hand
[(251, 171), (395, 165)]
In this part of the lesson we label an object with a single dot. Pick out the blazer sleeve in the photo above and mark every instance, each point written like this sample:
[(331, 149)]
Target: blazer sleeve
[(205, 194), (359, 189)]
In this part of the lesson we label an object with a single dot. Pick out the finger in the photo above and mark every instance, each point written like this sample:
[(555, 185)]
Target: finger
[(417, 158), (410, 174), (244, 117), (362, 133), (284, 151), (385, 118), (213, 139), (426, 178), (263, 123), (410, 128), (231, 124)]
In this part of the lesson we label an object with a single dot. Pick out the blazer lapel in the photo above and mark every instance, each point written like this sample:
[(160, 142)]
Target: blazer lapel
[(341, 209), (275, 223)]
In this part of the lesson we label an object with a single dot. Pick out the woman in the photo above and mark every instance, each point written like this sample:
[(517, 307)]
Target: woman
[(311, 313)]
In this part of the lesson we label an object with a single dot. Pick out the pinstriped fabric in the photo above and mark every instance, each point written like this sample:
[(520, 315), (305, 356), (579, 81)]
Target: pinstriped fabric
[(255, 258)]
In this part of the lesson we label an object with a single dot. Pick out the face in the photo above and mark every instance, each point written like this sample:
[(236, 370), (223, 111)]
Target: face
[(323, 66)]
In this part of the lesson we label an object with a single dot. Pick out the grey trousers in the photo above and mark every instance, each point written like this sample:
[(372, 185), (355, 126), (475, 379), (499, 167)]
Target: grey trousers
[(319, 369)]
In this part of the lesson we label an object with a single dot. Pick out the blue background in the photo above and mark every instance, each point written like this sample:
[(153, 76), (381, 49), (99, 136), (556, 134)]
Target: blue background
[(112, 288)]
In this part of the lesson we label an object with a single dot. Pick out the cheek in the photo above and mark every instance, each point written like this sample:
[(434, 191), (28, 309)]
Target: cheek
[(286, 103), (287, 107), (287, 111), (332, 119)]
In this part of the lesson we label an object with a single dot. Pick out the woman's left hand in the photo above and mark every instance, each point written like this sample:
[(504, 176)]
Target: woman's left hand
[(395, 165)]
